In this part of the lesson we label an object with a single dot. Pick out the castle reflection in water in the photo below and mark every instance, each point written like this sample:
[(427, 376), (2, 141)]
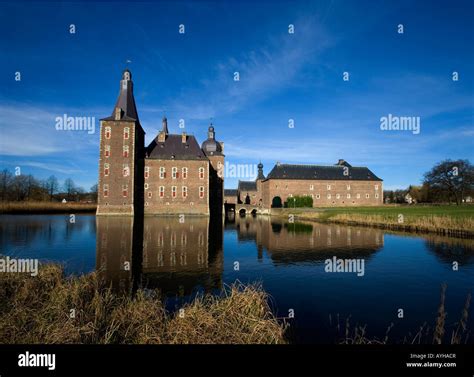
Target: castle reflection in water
[(179, 257)]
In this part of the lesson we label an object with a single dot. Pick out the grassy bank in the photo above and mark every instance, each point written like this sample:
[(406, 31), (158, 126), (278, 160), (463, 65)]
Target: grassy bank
[(46, 207), (37, 310), (457, 221)]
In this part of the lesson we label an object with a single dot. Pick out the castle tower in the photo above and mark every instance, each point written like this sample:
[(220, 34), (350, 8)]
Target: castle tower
[(260, 178), (121, 160), (214, 150)]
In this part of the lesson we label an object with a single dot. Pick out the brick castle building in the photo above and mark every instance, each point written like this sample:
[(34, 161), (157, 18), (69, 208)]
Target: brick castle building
[(172, 175), (175, 175), (328, 185)]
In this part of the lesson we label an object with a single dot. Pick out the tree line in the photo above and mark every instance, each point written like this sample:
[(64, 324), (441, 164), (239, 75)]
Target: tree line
[(447, 182), (28, 188)]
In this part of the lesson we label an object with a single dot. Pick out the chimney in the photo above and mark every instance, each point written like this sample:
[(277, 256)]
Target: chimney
[(183, 138)]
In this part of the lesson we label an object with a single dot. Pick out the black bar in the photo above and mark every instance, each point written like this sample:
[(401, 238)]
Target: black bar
[(228, 360)]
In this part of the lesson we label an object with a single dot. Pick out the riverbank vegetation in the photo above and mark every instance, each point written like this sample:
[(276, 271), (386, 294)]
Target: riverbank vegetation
[(438, 332), (450, 220), (50, 308), (46, 207)]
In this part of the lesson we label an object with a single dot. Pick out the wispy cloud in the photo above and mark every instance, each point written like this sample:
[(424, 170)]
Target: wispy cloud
[(263, 72), (29, 130)]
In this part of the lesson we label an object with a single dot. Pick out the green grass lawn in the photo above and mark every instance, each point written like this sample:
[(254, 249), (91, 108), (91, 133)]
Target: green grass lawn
[(453, 211)]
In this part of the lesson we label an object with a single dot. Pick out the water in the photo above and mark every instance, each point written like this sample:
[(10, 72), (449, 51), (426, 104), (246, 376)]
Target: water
[(402, 271)]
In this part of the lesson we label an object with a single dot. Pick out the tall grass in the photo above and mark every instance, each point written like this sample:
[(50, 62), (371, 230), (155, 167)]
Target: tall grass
[(38, 310), (460, 333), (444, 225), (46, 207)]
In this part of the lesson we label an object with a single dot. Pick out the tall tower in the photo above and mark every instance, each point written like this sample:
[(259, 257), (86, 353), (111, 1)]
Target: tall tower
[(121, 160), (259, 184), (214, 151)]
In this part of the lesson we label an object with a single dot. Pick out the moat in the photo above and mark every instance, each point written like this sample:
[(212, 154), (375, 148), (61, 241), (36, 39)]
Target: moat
[(184, 256)]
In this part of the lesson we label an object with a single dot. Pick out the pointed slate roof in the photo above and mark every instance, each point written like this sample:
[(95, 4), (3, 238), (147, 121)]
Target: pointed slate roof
[(125, 100)]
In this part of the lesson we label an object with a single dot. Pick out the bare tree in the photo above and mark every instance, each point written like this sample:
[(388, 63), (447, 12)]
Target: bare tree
[(5, 182), (52, 186), (69, 188), (455, 178)]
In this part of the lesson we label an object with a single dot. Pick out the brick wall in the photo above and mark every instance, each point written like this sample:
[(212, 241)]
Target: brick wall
[(192, 203), (120, 196), (324, 193)]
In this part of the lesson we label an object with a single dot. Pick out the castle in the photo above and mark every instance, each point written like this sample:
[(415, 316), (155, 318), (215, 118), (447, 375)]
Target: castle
[(174, 175)]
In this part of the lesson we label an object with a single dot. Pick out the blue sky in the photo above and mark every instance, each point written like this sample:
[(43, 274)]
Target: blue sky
[(282, 76)]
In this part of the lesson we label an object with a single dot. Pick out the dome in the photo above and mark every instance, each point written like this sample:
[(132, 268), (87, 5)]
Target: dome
[(210, 145), (260, 165)]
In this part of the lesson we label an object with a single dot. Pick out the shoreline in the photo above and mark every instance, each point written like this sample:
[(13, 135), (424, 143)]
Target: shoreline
[(457, 222), (38, 208), (405, 228)]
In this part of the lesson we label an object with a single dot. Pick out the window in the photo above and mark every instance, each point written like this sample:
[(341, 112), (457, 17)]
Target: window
[(185, 191), (358, 196), (174, 173), (318, 196), (146, 186), (376, 187), (106, 191), (348, 196), (150, 194), (311, 187), (329, 187), (201, 173), (125, 190), (367, 196), (125, 151), (147, 171), (162, 191), (348, 187), (126, 133), (106, 169), (338, 196), (107, 151), (329, 196), (108, 132), (185, 173), (201, 192), (173, 191), (126, 170), (376, 196), (162, 172)]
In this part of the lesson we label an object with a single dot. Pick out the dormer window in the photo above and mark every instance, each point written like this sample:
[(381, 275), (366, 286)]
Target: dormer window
[(118, 113)]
